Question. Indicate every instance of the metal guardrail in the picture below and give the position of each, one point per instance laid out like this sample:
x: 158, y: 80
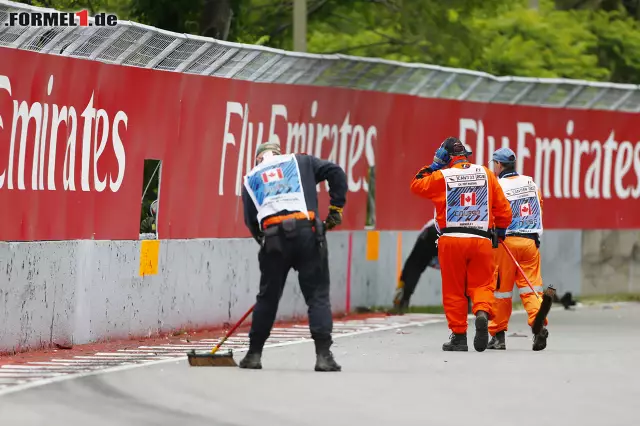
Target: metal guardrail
x: 139, y: 45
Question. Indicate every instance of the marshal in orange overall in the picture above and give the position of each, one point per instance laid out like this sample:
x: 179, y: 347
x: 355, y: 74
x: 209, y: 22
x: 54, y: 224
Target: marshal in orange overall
x: 469, y: 206
x: 523, y: 241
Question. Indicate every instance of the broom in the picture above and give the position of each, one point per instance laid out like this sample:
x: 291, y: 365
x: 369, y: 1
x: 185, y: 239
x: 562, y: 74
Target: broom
x: 547, y: 296
x: 212, y: 358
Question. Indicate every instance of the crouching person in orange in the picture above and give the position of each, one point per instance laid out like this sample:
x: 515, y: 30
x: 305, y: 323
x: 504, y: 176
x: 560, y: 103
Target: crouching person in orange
x: 469, y: 203
x: 523, y: 240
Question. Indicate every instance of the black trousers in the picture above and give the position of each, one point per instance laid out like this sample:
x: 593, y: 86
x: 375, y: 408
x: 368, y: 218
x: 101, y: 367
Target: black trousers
x: 303, y: 253
x: 424, y: 250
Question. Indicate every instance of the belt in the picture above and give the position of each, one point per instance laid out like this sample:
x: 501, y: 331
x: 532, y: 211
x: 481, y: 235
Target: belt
x: 532, y: 236
x: 455, y: 229
x: 277, y: 220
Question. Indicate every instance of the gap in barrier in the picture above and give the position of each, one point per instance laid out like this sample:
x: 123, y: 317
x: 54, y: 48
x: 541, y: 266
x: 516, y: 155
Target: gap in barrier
x: 150, y: 198
x: 371, y: 198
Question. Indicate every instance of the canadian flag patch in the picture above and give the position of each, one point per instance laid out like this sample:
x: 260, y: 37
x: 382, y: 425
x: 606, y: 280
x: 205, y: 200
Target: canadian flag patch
x: 525, y: 209
x: 468, y: 199
x: 272, y: 175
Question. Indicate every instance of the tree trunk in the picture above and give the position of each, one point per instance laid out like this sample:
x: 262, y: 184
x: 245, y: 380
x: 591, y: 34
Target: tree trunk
x: 216, y: 19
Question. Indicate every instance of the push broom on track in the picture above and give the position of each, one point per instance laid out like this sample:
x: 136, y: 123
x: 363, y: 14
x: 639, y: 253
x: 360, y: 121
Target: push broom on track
x: 213, y: 358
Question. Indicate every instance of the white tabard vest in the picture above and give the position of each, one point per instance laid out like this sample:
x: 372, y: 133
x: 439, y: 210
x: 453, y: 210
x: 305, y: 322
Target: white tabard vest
x: 275, y: 185
x: 467, y: 198
x: 522, y: 193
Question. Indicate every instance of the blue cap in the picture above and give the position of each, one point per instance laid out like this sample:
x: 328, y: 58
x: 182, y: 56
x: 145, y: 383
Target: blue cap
x: 504, y: 155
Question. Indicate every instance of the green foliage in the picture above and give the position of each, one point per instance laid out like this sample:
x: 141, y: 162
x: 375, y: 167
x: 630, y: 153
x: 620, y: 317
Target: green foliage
x: 617, y: 44
x: 119, y: 7
x: 544, y: 43
x: 179, y: 16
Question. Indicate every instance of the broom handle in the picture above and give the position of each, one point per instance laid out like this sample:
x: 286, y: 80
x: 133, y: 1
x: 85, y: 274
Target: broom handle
x: 233, y: 329
x: 519, y: 269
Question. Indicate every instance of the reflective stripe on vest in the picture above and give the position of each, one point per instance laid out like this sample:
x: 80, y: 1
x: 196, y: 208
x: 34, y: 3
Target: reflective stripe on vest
x: 522, y: 193
x: 527, y: 290
x: 503, y: 294
x: 522, y: 291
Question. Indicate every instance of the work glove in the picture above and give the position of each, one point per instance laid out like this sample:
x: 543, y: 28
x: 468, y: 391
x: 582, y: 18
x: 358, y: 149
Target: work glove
x: 440, y: 159
x: 398, y: 295
x: 259, y: 237
x: 501, y: 233
x: 334, y: 217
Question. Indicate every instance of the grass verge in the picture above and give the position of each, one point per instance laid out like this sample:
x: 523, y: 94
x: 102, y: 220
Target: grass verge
x: 586, y: 300
x: 610, y: 298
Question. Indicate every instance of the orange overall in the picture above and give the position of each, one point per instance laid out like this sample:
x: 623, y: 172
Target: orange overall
x: 522, y: 244
x: 468, y: 201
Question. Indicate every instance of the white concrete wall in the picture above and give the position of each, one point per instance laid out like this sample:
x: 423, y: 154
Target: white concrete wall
x: 83, y: 291
x: 611, y: 262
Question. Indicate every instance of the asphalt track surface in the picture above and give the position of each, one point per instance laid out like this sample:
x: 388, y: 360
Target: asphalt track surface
x: 588, y: 375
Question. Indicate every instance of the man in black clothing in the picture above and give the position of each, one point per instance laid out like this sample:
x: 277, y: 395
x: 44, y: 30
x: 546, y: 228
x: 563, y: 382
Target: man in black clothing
x: 281, y: 211
x: 423, y: 255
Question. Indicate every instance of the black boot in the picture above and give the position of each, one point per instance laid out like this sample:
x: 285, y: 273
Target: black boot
x: 457, y: 343
x: 498, y: 341
x: 324, y: 357
x: 400, y: 308
x: 540, y: 340
x: 481, y: 340
x: 252, y: 360
x: 326, y: 362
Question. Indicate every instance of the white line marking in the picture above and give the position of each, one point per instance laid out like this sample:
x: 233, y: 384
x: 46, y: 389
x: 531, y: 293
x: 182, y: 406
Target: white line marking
x: 75, y: 365
x: 46, y: 381
x: 116, y: 354
x: 96, y: 359
x: 429, y: 319
x: 53, y: 363
x: 21, y: 374
x: 83, y: 361
x: 187, y: 347
x: 31, y: 367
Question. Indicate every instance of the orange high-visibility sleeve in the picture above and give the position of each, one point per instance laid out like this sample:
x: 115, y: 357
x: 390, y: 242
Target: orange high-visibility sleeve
x: 433, y: 187
x: 500, y: 206
x: 428, y: 185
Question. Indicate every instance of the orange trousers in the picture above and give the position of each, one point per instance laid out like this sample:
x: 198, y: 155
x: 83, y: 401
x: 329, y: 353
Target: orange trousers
x: 467, y: 268
x: 506, y: 274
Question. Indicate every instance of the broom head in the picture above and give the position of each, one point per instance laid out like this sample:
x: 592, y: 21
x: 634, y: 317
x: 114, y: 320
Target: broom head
x: 207, y: 359
x: 545, y: 307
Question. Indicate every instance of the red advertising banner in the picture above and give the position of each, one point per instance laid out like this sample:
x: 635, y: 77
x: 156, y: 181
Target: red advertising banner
x: 586, y: 163
x: 74, y: 135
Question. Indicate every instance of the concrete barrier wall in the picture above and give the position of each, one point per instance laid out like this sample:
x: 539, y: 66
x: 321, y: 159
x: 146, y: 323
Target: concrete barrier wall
x: 83, y: 291
x: 611, y: 262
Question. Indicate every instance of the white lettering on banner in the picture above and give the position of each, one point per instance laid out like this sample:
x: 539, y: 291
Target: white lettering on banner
x: 37, y: 114
x: 558, y: 160
x: 350, y: 142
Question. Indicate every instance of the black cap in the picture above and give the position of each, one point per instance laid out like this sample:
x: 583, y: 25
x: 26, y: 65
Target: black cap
x: 455, y: 147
